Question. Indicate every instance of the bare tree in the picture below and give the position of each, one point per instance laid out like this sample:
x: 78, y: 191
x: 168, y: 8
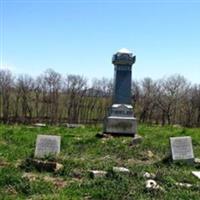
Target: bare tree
x: 99, y: 99
x: 190, y: 113
x: 6, y: 84
x: 52, y: 98
x: 52, y: 81
x: 75, y: 89
x: 24, y: 87
x: 171, y: 92
x: 147, y: 101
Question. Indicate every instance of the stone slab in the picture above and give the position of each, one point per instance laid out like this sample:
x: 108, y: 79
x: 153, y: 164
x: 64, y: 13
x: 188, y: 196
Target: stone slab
x: 120, y: 125
x: 47, y: 145
x: 181, y: 148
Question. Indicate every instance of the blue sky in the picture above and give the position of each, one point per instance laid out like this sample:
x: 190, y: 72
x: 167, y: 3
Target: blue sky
x: 80, y: 37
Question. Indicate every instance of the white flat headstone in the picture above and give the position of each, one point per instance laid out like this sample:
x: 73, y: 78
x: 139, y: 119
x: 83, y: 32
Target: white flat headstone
x: 181, y: 148
x: 47, y: 145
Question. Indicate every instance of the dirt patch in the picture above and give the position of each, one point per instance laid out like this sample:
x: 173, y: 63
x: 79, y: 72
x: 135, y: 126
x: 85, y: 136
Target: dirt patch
x: 30, y: 176
x: 3, y: 142
x: 141, y: 162
x: 3, y: 163
x: 56, y: 181
x: 10, y: 190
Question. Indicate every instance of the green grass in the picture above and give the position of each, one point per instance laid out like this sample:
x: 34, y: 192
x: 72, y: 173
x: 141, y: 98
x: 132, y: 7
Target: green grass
x: 82, y: 151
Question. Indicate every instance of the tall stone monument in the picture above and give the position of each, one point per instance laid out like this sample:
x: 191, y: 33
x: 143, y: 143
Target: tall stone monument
x: 120, y: 119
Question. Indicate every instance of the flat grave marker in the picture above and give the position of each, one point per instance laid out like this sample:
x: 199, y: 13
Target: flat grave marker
x: 181, y: 148
x: 47, y: 145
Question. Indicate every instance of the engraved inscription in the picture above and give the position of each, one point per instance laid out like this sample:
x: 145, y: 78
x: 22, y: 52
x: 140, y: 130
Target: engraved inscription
x: 181, y: 148
x: 47, y: 145
x: 122, y: 125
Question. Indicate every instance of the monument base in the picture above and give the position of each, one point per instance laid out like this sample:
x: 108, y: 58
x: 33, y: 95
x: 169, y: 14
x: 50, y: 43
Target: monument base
x: 120, y: 120
x: 116, y: 125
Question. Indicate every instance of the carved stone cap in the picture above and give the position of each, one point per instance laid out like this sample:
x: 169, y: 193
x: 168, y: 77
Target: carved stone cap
x: 123, y: 57
x: 121, y: 110
x: 124, y: 50
x: 122, y: 105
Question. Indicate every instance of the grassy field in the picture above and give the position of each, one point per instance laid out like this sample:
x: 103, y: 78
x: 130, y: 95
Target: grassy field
x: 82, y: 151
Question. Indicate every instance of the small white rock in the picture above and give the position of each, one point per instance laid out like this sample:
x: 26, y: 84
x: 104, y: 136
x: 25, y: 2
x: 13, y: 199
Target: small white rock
x: 177, y: 126
x: 98, y: 173
x: 197, y: 160
x: 187, y: 185
x: 146, y: 175
x: 152, y: 185
x: 149, y: 175
x: 150, y: 154
x: 59, y: 167
x: 39, y: 125
x: 121, y: 169
x: 196, y: 173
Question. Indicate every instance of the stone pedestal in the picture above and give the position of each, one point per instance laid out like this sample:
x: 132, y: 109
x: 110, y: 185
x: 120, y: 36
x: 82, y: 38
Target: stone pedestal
x: 120, y: 119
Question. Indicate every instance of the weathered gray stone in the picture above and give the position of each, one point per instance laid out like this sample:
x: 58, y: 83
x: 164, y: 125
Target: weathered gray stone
x: 123, y: 61
x: 121, y: 125
x: 181, y: 148
x: 47, y: 145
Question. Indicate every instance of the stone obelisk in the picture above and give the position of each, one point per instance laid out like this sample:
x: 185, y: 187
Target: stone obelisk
x: 120, y: 119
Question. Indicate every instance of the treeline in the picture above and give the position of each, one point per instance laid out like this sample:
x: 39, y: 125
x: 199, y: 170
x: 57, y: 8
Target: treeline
x: 54, y: 98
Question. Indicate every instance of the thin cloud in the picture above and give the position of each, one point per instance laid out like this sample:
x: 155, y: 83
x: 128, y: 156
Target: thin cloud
x: 7, y: 67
